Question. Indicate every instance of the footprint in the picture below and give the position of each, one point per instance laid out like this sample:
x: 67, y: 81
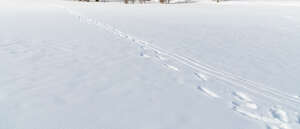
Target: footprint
x: 241, y: 96
x: 208, y: 92
x: 250, y: 114
x: 122, y: 35
x: 296, y: 118
x: 142, y: 42
x: 245, y: 101
x: 252, y: 106
x: 235, y: 104
x: 271, y: 123
x: 172, y: 67
x: 201, y: 76
x: 279, y: 114
x: 144, y: 55
x: 119, y: 33
x: 132, y: 39
x: 158, y: 55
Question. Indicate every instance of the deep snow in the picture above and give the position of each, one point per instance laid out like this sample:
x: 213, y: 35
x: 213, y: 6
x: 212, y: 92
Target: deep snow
x: 204, y: 65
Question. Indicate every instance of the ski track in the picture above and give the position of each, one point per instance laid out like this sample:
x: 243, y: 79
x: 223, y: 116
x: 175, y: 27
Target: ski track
x: 244, y: 106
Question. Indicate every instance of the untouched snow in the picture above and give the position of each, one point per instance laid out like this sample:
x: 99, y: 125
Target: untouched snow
x: 67, y: 64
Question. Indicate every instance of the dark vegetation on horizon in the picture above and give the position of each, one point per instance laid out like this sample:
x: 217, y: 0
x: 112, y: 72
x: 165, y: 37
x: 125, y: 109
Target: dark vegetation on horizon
x: 141, y: 1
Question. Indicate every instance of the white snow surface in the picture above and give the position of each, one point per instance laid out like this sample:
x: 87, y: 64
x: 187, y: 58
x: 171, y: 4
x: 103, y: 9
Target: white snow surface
x: 202, y: 65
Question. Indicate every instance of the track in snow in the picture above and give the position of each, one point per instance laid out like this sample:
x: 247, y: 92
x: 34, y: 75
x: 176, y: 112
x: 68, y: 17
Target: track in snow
x: 243, y: 104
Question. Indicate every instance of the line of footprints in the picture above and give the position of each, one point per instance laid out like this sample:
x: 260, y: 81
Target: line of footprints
x: 275, y: 118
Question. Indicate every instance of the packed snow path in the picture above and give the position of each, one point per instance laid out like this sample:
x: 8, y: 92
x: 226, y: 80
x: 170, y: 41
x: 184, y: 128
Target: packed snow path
x: 90, y: 74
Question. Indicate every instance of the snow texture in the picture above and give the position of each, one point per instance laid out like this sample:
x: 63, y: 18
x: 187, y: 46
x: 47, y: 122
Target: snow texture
x: 70, y: 64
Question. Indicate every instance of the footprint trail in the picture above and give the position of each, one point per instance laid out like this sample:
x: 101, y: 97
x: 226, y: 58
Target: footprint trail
x: 242, y: 103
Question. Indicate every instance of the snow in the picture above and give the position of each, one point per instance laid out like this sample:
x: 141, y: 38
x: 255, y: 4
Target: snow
x: 242, y: 96
x: 208, y: 92
x: 68, y: 64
